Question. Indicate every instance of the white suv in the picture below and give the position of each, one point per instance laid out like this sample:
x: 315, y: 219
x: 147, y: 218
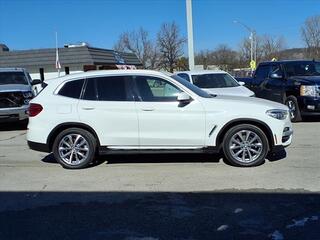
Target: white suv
x: 140, y: 111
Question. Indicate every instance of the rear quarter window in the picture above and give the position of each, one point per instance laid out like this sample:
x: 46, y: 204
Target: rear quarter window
x: 72, y: 89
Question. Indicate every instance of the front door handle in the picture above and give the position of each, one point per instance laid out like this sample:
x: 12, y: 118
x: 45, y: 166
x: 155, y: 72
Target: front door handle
x: 88, y: 108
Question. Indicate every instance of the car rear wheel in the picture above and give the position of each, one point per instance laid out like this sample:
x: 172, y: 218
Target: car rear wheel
x: 294, y: 110
x: 74, y: 148
x: 245, y: 145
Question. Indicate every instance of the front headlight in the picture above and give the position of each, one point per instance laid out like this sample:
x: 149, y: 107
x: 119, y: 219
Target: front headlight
x: 306, y: 90
x: 277, y: 113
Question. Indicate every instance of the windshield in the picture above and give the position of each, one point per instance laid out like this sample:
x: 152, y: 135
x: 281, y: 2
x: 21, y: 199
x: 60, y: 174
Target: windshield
x: 302, y: 69
x: 13, y: 78
x: 192, y: 87
x: 214, y: 80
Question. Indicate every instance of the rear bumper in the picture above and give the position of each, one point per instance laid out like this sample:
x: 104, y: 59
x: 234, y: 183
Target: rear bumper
x: 40, y: 147
x: 14, y: 114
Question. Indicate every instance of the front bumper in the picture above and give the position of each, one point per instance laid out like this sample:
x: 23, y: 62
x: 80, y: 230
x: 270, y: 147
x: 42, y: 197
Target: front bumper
x: 309, y: 106
x: 14, y: 114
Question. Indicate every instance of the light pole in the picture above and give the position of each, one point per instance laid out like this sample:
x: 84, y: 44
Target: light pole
x: 253, y: 42
x: 190, y: 34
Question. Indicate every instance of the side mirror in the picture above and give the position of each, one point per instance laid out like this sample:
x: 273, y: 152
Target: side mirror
x: 35, y: 82
x: 183, y: 97
x: 242, y: 83
x: 276, y: 76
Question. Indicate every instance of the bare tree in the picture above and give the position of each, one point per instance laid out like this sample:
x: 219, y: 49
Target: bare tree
x: 170, y: 45
x: 224, y: 57
x: 271, y: 47
x: 268, y: 47
x: 310, y: 33
x: 138, y: 42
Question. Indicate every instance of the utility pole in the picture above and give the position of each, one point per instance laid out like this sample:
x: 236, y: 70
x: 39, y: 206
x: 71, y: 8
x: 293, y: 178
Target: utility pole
x: 253, y: 44
x: 190, y: 34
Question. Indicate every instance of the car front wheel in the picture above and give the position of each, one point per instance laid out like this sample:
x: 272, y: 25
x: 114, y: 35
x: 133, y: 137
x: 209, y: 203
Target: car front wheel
x: 245, y: 145
x: 74, y: 148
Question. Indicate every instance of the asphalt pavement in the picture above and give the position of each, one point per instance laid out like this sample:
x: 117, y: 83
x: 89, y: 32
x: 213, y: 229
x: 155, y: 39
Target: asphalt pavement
x: 151, y: 197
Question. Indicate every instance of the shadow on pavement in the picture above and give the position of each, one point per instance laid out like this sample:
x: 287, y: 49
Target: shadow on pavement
x: 163, y: 158
x: 14, y: 126
x: 167, y: 215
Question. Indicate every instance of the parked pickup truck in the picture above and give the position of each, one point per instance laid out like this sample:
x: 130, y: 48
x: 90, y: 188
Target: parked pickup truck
x: 294, y: 83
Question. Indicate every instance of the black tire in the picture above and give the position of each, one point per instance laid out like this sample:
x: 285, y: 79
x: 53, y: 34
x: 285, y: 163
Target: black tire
x: 294, y: 110
x: 247, y: 148
x: 88, y: 142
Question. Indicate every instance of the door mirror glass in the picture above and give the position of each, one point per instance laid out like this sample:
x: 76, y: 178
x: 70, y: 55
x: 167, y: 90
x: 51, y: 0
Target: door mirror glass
x: 276, y: 75
x: 183, y: 97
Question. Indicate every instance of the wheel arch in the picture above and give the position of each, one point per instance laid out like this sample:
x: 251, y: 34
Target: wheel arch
x: 59, y: 128
x: 263, y: 126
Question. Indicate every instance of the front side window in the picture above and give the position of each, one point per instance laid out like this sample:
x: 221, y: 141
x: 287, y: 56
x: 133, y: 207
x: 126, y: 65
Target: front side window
x: 152, y: 89
x: 72, y: 89
x: 262, y: 72
x: 13, y: 78
x: 214, y: 80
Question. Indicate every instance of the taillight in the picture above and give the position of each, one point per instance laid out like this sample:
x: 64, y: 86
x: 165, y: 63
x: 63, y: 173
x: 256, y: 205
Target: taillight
x: 34, y: 109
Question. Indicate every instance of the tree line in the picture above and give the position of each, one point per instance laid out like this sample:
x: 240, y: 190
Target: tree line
x: 166, y: 50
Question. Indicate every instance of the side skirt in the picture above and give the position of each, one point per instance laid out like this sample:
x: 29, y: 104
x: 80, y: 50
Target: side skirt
x: 107, y: 151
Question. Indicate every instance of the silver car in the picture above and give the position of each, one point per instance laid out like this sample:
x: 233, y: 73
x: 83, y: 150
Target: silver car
x: 15, y: 93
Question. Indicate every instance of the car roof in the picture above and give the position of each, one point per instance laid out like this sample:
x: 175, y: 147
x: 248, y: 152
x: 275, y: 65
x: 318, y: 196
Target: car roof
x: 289, y: 61
x: 99, y: 73
x: 12, y: 70
x: 198, y: 72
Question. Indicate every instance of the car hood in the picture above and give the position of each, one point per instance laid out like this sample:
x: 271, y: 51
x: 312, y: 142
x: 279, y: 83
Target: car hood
x: 307, y: 79
x: 15, y: 88
x: 230, y: 91
x: 241, y: 104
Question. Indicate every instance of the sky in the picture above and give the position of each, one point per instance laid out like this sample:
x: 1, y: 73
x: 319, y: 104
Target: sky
x: 30, y: 24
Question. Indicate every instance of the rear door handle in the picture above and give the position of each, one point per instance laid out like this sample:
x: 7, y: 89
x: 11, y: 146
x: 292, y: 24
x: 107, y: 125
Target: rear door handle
x: 148, y: 109
x: 88, y: 108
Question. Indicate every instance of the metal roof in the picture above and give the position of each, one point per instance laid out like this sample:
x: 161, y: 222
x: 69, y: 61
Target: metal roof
x: 83, y: 55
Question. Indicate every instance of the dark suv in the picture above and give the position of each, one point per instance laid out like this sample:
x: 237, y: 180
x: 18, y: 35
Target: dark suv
x: 294, y: 83
x: 15, y: 94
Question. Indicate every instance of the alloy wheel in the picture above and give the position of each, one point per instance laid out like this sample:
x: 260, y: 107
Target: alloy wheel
x: 245, y: 146
x: 73, y: 149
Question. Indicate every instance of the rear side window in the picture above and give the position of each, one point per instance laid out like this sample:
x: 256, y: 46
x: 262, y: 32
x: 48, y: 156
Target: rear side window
x: 113, y: 88
x: 72, y: 89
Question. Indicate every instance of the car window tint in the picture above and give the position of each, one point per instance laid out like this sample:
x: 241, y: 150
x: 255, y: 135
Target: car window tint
x: 184, y: 76
x: 72, y: 89
x: 90, y: 92
x: 153, y: 89
x: 262, y: 71
x: 112, y: 88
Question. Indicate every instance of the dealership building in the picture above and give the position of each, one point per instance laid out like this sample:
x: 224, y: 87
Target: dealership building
x: 41, y: 63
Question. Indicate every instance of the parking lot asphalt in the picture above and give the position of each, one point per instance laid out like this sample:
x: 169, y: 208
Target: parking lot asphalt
x: 160, y: 196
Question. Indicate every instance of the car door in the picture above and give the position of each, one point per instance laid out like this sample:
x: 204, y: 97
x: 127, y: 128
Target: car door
x: 107, y: 105
x: 163, y: 121
x: 275, y: 83
x: 260, y: 77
